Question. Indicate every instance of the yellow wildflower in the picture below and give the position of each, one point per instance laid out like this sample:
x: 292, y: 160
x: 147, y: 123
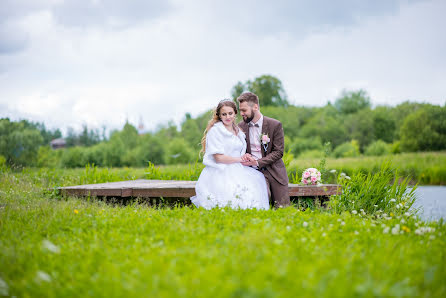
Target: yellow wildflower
x: 391, y: 214
x: 76, y: 211
x: 405, y: 229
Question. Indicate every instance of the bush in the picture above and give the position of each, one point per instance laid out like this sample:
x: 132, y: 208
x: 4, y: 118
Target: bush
x: 47, y: 157
x: 73, y: 158
x: 347, y: 149
x: 377, y: 148
x: 300, y: 145
x: 178, y: 151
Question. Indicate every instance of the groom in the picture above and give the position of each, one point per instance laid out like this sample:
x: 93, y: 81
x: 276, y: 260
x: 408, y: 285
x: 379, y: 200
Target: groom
x: 265, y: 144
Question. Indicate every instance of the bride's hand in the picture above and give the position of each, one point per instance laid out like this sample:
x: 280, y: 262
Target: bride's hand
x: 246, y: 157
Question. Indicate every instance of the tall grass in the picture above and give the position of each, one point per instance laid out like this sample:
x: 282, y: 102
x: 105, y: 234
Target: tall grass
x: 74, y: 247
x: 384, y: 191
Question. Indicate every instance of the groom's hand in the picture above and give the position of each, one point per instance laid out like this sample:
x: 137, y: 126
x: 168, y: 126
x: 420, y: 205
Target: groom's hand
x: 246, y: 157
x: 250, y: 160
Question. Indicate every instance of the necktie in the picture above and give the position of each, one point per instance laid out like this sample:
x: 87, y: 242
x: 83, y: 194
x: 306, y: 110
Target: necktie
x: 251, y: 125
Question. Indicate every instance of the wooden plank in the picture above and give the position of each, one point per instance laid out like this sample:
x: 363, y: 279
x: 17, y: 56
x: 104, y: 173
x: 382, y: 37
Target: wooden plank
x: 180, y: 189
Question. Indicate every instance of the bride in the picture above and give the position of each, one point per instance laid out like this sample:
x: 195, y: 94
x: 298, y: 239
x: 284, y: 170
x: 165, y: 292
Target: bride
x: 225, y: 181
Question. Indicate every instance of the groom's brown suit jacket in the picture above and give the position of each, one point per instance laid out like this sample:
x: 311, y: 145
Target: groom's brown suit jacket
x: 271, y: 160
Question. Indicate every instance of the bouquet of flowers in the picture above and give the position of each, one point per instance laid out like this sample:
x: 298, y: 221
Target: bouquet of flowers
x: 311, y: 176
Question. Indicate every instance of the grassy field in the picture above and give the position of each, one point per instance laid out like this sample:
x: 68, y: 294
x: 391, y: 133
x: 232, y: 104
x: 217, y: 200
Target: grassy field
x: 425, y: 168
x: 68, y: 247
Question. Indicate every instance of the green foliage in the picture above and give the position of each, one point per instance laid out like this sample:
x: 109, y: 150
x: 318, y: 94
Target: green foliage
x: 424, y: 130
x: 352, y: 101
x: 268, y: 88
x: 301, y: 145
x: 328, y: 127
x: 19, y: 142
x: 359, y: 127
x: 46, y: 157
x: 377, y: 148
x: 348, y: 149
x: 384, y: 127
x: 384, y: 191
x: 178, y: 152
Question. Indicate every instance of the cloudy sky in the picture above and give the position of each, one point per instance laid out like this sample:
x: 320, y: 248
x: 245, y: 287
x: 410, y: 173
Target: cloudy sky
x: 98, y: 62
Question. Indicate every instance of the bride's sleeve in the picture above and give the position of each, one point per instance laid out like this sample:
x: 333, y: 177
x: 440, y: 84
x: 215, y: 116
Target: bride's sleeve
x: 214, y: 145
x: 214, y: 142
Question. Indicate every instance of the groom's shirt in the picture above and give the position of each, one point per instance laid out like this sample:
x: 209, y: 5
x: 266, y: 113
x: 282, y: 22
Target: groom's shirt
x: 255, y: 129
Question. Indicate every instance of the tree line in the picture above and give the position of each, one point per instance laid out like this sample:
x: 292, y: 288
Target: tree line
x: 350, y: 125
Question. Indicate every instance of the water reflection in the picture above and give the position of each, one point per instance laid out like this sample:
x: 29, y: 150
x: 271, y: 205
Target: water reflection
x: 432, y: 200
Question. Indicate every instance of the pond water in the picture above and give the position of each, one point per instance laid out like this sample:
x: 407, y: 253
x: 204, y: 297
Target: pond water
x: 432, y: 200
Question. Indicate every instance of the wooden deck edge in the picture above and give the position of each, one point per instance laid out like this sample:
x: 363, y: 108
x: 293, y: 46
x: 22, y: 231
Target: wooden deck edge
x: 295, y: 190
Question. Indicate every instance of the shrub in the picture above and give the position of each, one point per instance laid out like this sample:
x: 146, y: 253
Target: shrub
x: 347, y: 149
x: 377, y: 148
x: 300, y: 145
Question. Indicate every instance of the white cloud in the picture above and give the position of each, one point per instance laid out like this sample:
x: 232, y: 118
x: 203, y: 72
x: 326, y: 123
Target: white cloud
x: 187, y: 58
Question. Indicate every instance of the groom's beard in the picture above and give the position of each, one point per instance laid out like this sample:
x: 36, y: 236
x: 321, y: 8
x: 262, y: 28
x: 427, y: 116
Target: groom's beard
x: 249, y: 119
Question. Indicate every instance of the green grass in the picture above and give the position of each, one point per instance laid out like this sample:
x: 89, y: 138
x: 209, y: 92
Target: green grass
x: 424, y: 168
x: 68, y: 247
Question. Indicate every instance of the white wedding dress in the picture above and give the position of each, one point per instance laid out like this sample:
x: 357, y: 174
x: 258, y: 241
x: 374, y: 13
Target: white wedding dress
x: 234, y: 185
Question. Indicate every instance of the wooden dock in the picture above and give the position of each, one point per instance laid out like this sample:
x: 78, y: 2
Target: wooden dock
x: 144, y: 188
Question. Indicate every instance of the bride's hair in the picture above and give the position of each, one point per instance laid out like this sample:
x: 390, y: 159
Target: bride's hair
x: 216, y: 118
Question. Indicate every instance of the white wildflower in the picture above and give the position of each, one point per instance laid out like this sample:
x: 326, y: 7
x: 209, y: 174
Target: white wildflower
x: 305, y: 224
x: 396, y: 229
x: 288, y: 228
x: 48, y: 245
x: 342, y: 174
x: 386, y: 230
x: 432, y: 237
x: 376, y: 206
x: 392, y: 200
x: 343, y: 223
x: 347, y: 177
x: 356, y: 233
x: 333, y: 171
x: 402, y: 221
x: 354, y: 212
x: 323, y: 234
x: 407, y: 214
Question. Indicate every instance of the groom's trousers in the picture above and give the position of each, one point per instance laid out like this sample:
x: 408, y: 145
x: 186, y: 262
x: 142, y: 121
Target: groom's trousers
x: 277, y: 192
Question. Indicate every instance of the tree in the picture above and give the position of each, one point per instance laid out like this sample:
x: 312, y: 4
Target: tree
x: 359, y: 126
x: 352, y: 101
x: 383, y: 124
x: 424, y: 130
x: 268, y: 88
x: 19, y: 142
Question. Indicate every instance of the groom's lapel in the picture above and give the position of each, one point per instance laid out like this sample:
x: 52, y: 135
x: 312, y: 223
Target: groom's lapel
x: 248, y: 143
x: 264, y: 131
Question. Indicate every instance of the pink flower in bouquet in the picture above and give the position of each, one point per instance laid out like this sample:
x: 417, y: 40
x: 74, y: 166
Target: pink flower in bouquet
x: 311, y: 176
